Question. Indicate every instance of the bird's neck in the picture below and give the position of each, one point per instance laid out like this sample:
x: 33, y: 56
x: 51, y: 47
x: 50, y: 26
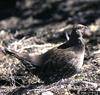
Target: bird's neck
x: 78, y: 44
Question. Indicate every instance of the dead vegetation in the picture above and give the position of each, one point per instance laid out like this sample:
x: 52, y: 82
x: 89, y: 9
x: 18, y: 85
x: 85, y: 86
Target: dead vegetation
x: 14, y: 75
x: 30, y: 32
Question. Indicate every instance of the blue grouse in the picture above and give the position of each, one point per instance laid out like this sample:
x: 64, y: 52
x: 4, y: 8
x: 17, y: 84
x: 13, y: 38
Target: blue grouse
x: 59, y: 62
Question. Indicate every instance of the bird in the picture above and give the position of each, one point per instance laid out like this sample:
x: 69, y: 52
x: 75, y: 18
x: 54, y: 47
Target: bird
x: 59, y: 62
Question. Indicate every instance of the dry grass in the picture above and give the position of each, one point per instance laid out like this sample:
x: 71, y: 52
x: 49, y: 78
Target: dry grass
x: 11, y: 68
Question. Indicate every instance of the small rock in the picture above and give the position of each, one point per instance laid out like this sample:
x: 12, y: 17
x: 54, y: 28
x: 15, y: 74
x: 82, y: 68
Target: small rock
x: 47, y: 93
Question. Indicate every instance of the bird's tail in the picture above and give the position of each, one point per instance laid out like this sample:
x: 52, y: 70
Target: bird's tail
x: 25, y: 59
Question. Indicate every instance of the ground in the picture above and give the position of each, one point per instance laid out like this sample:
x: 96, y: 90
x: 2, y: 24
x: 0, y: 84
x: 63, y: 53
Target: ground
x: 31, y: 33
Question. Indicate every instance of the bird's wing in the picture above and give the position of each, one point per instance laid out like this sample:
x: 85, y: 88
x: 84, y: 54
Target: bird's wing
x: 56, y: 59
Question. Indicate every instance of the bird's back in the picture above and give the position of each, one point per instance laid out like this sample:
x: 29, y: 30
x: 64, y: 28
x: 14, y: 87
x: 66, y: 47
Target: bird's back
x: 61, y: 62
